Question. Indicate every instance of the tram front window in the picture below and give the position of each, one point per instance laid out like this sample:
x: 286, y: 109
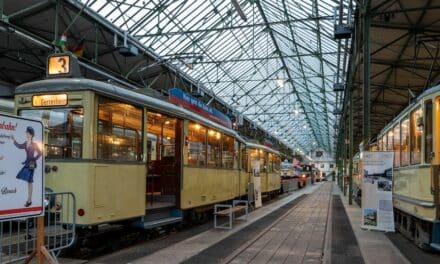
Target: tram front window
x: 65, y: 127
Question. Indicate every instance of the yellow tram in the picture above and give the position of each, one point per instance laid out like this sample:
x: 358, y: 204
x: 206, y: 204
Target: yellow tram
x: 414, y: 136
x: 136, y: 158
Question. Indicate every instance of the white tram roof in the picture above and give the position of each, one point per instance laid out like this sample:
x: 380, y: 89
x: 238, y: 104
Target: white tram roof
x: 412, y: 105
x: 115, y: 91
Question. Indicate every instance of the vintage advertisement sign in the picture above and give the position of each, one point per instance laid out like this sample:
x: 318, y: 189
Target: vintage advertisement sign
x: 180, y: 97
x: 21, y: 167
x: 377, y: 200
x: 257, y: 183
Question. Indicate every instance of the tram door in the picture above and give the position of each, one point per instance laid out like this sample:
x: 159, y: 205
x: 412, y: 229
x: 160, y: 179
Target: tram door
x: 163, y: 160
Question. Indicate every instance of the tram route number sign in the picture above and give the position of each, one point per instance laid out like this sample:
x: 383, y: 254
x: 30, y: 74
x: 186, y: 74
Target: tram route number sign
x: 21, y: 168
x: 62, y: 65
x: 58, y: 65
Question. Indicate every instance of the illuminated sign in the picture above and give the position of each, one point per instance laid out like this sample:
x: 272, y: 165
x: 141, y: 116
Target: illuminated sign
x: 49, y: 100
x: 58, y: 64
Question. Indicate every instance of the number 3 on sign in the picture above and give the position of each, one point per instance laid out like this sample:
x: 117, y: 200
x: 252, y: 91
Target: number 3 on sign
x: 59, y: 65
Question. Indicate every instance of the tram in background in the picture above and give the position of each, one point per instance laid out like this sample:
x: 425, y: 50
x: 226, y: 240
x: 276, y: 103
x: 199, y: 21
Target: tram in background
x: 136, y: 159
x: 414, y: 136
x: 6, y: 106
x: 289, y: 177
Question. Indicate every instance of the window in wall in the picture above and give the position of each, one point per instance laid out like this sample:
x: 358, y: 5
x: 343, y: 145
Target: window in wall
x: 427, y: 127
x: 390, y: 140
x: 396, y: 145
x: 119, y: 131
x: 416, y: 136
x: 161, y: 137
x: 214, y: 148
x: 65, y: 127
x: 404, y: 145
x: 228, y: 153
x: 196, y: 145
x: 331, y: 166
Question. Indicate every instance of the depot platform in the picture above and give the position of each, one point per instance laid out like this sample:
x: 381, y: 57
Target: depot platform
x: 312, y: 225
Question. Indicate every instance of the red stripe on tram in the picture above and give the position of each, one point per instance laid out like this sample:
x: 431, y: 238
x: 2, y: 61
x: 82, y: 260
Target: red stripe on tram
x: 21, y: 210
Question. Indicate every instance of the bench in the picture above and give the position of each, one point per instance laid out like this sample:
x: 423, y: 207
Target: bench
x: 227, y: 210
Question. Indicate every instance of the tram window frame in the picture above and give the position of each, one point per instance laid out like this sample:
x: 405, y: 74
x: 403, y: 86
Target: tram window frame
x: 380, y: 140
x: 404, y: 149
x: 200, y: 154
x: 428, y: 130
x: 213, y: 149
x: 396, y: 145
x: 384, y: 142
x: 107, y: 130
x: 390, y: 136
x: 228, y: 153
x: 161, y: 131
x: 415, y: 137
x: 69, y: 146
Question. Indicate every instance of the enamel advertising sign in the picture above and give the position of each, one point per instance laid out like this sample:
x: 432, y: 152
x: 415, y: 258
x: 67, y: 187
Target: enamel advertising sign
x: 21, y: 168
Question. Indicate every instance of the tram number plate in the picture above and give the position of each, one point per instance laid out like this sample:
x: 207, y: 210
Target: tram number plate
x: 59, y: 65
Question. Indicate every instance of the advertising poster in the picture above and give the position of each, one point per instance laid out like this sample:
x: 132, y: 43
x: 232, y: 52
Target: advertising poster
x: 257, y: 183
x: 21, y: 167
x: 377, y: 200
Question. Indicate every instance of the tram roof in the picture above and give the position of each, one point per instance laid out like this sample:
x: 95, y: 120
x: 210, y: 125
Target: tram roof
x: 273, y: 61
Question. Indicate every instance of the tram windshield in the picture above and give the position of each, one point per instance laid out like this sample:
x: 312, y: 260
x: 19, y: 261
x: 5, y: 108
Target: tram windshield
x: 65, y: 127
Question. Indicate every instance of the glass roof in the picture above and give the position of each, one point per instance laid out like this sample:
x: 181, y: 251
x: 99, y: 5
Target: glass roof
x: 273, y: 61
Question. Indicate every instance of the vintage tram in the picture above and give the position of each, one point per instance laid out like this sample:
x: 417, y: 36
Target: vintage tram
x: 132, y: 157
x: 414, y: 137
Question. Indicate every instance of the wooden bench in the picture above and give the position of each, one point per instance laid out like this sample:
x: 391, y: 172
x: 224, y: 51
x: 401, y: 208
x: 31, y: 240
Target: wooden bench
x: 227, y: 210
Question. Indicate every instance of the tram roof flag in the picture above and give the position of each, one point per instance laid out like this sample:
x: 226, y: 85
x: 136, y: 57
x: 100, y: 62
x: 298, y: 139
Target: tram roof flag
x: 63, y: 42
x: 178, y: 96
x: 79, y: 48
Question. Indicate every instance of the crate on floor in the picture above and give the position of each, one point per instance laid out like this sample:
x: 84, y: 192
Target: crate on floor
x: 228, y: 210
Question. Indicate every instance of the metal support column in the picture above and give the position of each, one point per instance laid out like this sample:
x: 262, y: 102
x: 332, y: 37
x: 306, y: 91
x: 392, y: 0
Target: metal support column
x: 366, y: 74
x: 57, y: 23
x: 350, y: 144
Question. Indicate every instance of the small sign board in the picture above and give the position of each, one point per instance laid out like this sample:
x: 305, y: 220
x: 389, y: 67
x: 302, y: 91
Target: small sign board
x: 21, y: 168
x: 62, y: 65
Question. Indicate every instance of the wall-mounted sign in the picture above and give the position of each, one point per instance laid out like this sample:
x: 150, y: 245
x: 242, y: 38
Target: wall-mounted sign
x: 49, y: 100
x: 21, y: 168
x: 180, y: 97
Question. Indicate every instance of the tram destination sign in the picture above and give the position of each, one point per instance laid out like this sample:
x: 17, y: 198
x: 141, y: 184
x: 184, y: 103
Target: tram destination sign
x: 180, y: 97
x: 21, y: 168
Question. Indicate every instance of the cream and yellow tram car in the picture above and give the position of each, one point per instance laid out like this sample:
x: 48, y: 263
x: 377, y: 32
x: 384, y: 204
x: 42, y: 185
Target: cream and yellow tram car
x: 129, y: 156
x: 414, y: 136
x: 268, y: 162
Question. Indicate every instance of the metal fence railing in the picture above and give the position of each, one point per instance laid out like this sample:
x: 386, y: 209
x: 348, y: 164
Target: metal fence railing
x: 18, y: 238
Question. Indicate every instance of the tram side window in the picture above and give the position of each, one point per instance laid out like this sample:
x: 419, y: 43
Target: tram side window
x: 270, y: 162
x: 390, y: 140
x: 263, y: 161
x: 65, y: 127
x: 119, y: 131
x: 396, y: 140
x: 161, y: 137
x: 255, y: 160
x: 245, y: 160
x: 416, y: 137
x: 384, y: 142
x: 404, y: 146
x: 228, y: 152
x: 380, y: 144
x: 214, y: 148
x: 428, y: 131
x: 196, y: 145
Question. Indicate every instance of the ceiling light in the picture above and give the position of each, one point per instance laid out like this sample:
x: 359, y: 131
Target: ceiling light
x: 280, y: 82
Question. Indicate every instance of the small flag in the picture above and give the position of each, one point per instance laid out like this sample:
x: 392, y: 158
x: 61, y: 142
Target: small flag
x: 63, y: 42
x: 79, y: 48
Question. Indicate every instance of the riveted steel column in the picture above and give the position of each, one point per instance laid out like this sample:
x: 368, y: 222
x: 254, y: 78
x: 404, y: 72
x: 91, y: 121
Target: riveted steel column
x: 366, y: 74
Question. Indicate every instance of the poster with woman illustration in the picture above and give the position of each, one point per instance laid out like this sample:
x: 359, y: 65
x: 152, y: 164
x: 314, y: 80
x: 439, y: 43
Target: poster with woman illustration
x: 21, y: 167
